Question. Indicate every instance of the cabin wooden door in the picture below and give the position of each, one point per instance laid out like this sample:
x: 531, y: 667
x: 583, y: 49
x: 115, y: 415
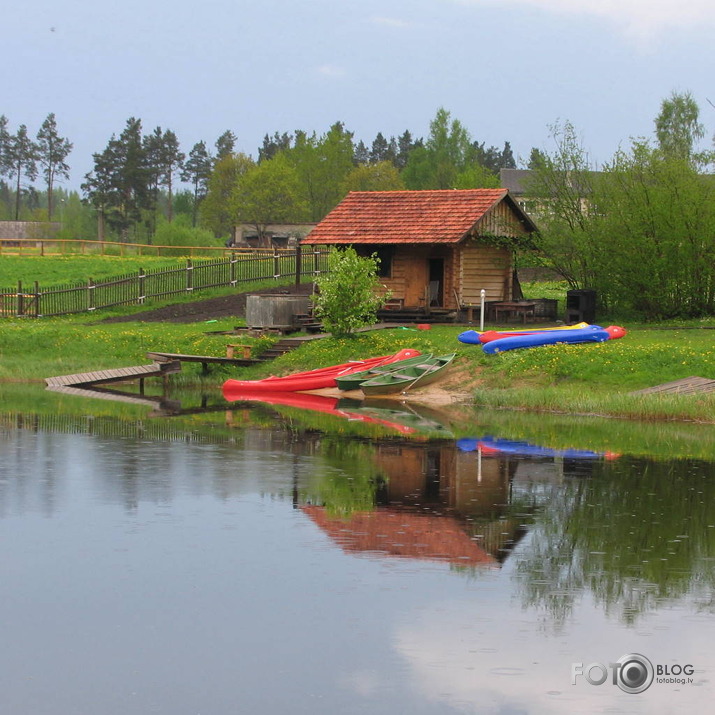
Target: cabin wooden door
x: 436, y: 282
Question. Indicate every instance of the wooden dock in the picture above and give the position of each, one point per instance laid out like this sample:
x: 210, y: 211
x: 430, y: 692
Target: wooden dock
x: 686, y: 386
x: 205, y: 360
x: 120, y: 374
x: 166, y: 363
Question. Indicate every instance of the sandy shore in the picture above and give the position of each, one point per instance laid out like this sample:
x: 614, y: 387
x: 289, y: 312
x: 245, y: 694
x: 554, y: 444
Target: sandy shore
x: 454, y: 388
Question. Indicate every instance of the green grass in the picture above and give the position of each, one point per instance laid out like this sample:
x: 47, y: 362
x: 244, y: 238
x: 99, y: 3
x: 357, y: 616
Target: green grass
x: 56, y: 270
x: 579, y: 379
x: 32, y: 350
x: 584, y: 379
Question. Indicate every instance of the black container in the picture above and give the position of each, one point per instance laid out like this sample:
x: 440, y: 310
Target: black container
x: 580, y: 306
x: 546, y: 308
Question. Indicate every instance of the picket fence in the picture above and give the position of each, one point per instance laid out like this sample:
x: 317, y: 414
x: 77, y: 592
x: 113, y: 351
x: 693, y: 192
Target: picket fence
x: 136, y: 288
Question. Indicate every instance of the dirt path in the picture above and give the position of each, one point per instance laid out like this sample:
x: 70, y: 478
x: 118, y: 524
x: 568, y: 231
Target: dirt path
x: 228, y: 306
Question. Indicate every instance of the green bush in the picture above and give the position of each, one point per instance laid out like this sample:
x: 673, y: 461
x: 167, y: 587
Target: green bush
x: 181, y: 233
x: 350, y: 294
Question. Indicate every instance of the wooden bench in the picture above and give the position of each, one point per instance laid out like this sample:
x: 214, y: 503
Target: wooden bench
x: 245, y: 350
x: 394, y: 304
x: 471, y: 308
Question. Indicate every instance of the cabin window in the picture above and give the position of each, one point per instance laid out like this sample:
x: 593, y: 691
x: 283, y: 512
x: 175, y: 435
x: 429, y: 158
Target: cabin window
x: 384, y: 253
x: 384, y: 268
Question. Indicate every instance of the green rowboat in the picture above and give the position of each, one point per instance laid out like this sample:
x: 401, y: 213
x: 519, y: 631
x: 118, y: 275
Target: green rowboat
x: 400, y: 380
x: 354, y: 380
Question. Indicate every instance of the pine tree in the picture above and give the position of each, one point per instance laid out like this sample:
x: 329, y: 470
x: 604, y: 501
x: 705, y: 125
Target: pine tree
x: 506, y: 160
x: 405, y: 145
x: 197, y: 170
x: 120, y: 185
x: 225, y: 145
x: 273, y: 145
x: 5, y: 165
x: 52, y: 150
x: 362, y: 154
x: 537, y: 159
x: 22, y: 158
x: 378, y: 152
x: 165, y: 159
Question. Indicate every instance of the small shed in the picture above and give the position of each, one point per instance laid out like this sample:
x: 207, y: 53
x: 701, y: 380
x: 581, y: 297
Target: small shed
x: 437, y: 249
x: 275, y: 235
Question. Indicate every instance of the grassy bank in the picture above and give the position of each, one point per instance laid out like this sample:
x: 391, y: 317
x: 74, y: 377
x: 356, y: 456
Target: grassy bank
x: 583, y: 379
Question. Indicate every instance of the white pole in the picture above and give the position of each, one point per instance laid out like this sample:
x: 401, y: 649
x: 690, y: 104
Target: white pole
x: 481, y: 312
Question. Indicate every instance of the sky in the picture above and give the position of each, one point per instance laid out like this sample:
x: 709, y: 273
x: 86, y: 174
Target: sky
x: 506, y: 69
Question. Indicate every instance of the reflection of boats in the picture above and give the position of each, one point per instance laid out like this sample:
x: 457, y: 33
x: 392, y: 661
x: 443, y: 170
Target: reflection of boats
x: 394, y: 532
x: 492, y: 445
x: 423, y: 373
x: 409, y: 416
x: 315, y: 379
x: 354, y: 380
x: 315, y: 403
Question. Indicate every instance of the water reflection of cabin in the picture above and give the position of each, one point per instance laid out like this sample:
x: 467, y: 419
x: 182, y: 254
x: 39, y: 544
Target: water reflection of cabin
x: 436, y: 503
x: 437, y: 249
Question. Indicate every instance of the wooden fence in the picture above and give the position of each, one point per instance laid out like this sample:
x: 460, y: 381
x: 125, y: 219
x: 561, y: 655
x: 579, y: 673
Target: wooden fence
x: 136, y: 288
x: 72, y: 246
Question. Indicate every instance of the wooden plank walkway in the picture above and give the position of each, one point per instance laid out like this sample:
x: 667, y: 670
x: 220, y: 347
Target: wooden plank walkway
x: 120, y: 374
x: 205, y: 360
x: 685, y: 386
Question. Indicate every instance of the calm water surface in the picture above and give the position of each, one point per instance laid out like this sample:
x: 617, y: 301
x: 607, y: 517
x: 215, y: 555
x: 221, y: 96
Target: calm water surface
x: 270, y: 569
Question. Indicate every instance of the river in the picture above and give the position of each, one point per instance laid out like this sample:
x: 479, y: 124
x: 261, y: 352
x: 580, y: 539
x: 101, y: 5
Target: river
x: 205, y: 557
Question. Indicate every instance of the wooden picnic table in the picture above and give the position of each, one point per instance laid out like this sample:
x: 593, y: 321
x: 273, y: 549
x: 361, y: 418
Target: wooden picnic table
x: 513, y: 308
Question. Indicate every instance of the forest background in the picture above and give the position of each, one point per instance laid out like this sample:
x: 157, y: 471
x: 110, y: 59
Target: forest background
x: 639, y: 229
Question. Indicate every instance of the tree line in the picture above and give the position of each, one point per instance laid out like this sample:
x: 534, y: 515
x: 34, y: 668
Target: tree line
x: 640, y: 229
x: 22, y: 158
x: 137, y: 188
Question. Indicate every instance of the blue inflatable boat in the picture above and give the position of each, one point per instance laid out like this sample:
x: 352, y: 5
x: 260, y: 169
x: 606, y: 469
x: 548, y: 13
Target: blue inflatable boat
x: 592, y: 334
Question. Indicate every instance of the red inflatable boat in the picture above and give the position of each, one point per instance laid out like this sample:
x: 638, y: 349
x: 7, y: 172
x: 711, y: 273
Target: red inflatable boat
x: 314, y: 379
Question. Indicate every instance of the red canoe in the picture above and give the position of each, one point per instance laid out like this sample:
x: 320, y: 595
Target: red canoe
x: 314, y: 379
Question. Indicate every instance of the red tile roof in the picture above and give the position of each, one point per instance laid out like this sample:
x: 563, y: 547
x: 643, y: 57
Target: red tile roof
x: 405, y: 216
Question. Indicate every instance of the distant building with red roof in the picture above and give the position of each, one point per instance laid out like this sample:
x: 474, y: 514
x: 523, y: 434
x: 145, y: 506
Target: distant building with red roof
x: 438, y: 249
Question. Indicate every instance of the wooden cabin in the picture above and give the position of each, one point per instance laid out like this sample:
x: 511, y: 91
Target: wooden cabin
x: 437, y: 249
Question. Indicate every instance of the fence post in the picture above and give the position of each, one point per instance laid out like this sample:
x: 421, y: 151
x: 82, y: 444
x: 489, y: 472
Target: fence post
x: 189, y: 275
x: 298, y: 264
x: 142, y: 276
x: 19, y: 307
x: 37, y: 300
x: 90, y: 294
x: 232, y: 260
x: 276, y: 269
